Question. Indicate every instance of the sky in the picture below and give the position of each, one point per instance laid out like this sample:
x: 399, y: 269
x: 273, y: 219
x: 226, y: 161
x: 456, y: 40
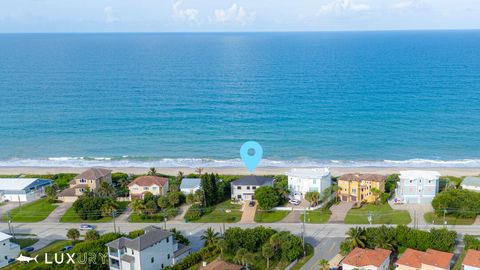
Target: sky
x: 236, y: 15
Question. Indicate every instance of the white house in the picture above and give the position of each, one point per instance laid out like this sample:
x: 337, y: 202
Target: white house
x: 471, y: 261
x: 190, y: 185
x: 22, y: 189
x: 156, y: 249
x: 8, y: 250
x: 244, y: 188
x: 367, y: 259
x: 417, y: 186
x: 471, y: 183
x: 301, y: 181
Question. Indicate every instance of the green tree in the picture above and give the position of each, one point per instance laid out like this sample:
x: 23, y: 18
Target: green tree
x: 163, y: 202
x: 108, y: 207
x: 73, y: 234
x: 267, y: 197
x: 324, y: 265
x: 356, y: 237
x: 267, y: 253
x: 152, y: 171
x: 209, y: 236
x: 376, y: 193
x: 312, y: 197
x: 190, y: 198
x: 177, y: 235
x: 209, y: 186
x: 51, y: 192
x: 198, y: 195
x: 92, y: 235
x: 151, y: 207
x: 222, y: 246
x: 137, y: 205
x: 179, y: 176
x: 173, y: 198
x: 106, y: 190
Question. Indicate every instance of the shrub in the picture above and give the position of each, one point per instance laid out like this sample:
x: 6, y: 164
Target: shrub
x: 195, y: 212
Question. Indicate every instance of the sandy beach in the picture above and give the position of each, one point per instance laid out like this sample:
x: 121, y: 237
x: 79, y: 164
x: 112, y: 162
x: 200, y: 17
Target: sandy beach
x: 234, y: 171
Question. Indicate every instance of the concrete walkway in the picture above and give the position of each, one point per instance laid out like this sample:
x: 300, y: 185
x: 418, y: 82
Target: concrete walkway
x: 416, y: 211
x: 293, y: 217
x: 339, y: 212
x: 124, y: 216
x: 248, y: 215
x: 183, y: 210
x: 58, y: 212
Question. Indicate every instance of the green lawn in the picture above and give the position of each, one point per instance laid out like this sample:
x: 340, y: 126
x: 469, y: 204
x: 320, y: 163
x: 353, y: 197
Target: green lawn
x: 24, y: 242
x: 433, y: 218
x: 71, y: 217
x: 270, y: 216
x: 223, y: 212
x: 317, y: 216
x: 53, y: 247
x: 458, y: 263
x: 381, y: 214
x: 31, y: 212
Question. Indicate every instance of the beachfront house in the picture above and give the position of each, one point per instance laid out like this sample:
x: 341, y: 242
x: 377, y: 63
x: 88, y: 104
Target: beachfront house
x: 22, y: 189
x: 413, y: 259
x: 417, y: 187
x: 471, y: 183
x: 219, y: 265
x: 8, y: 250
x: 301, y: 181
x: 155, y: 249
x: 471, y: 261
x: 148, y: 183
x: 90, y: 179
x: 244, y: 188
x: 190, y: 185
x: 367, y: 259
x: 354, y: 187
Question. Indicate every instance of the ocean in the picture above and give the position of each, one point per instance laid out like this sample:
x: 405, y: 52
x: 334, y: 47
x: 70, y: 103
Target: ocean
x: 404, y: 98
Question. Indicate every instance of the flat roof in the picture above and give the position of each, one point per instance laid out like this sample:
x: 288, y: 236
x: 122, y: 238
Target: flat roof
x: 419, y: 174
x: 17, y: 183
x: 190, y: 183
x: 471, y: 181
x: 309, y: 172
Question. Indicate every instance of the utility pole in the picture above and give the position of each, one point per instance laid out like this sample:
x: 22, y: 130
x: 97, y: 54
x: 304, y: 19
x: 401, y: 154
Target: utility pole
x: 303, y: 231
x: 114, y: 212
x: 444, y: 221
x: 164, y: 220
x: 10, y: 227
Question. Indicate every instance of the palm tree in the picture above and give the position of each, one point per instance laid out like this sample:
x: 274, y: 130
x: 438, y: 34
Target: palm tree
x: 199, y: 170
x: 312, y: 197
x: 137, y: 205
x: 179, y: 176
x: 267, y: 253
x: 240, y: 256
x: 105, y: 190
x: 108, y: 207
x: 223, y: 246
x: 376, y: 193
x: 209, y: 236
x: 73, y: 234
x: 324, y: 265
x: 356, y: 237
x: 152, y: 171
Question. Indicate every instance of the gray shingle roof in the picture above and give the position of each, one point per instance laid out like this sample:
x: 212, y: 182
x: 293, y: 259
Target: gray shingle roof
x: 190, y: 183
x: 93, y: 174
x: 253, y: 180
x: 471, y: 181
x: 151, y: 236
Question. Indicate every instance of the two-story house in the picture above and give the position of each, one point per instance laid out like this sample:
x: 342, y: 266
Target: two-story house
x: 417, y: 186
x: 354, y: 187
x: 301, y: 181
x: 155, y: 249
x: 471, y: 261
x: 90, y: 179
x: 8, y: 250
x: 22, y: 189
x: 244, y: 188
x: 367, y: 259
x: 431, y: 259
x: 148, y: 183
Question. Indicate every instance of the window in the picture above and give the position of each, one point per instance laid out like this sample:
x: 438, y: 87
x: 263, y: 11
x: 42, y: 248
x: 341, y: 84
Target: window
x: 152, y: 260
x: 132, y: 251
x: 354, y: 190
x: 154, y: 188
x: 168, y: 256
x: 145, y: 188
x: 162, y: 265
x: 254, y: 187
x: 83, y: 181
x: 248, y: 187
x: 168, y: 238
x: 239, y: 196
x: 314, y: 181
x: 239, y: 187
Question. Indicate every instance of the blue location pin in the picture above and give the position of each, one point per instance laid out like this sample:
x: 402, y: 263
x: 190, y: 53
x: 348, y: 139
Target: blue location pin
x: 251, y: 153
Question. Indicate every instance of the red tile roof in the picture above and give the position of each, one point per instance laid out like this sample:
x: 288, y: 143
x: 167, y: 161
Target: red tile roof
x: 363, y: 257
x: 149, y: 180
x: 472, y: 258
x: 415, y: 258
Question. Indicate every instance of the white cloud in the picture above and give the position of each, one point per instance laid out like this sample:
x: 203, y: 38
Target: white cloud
x: 343, y: 6
x: 235, y: 13
x: 408, y: 4
x: 185, y: 14
x: 110, y: 16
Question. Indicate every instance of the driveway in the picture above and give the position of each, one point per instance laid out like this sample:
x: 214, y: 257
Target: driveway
x: 416, y: 211
x: 326, y: 248
x: 56, y: 214
x: 339, y: 212
x: 7, y: 207
x: 248, y: 215
x: 293, y: 217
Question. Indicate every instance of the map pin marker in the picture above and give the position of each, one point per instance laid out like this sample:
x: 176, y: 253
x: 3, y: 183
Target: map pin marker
x: 251, y: 153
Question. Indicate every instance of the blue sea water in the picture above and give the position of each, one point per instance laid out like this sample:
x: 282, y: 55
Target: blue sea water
x: 341, y: 98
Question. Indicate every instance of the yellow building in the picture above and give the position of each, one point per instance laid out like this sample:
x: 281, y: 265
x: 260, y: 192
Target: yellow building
x: 358, y: 187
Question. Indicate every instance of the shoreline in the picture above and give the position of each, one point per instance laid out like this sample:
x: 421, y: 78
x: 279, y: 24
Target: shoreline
x: 336, y: 171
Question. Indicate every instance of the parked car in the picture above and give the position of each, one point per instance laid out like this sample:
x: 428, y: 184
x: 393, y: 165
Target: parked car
x: 251, y: 203
x: 28, y: 249
x: 11, y: 260
x: 66, y: 248
x: 86, y: 227
x: 294, y: 201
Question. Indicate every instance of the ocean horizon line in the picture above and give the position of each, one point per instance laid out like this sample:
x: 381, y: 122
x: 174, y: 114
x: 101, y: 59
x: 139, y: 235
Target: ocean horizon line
x: 127, y: 161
